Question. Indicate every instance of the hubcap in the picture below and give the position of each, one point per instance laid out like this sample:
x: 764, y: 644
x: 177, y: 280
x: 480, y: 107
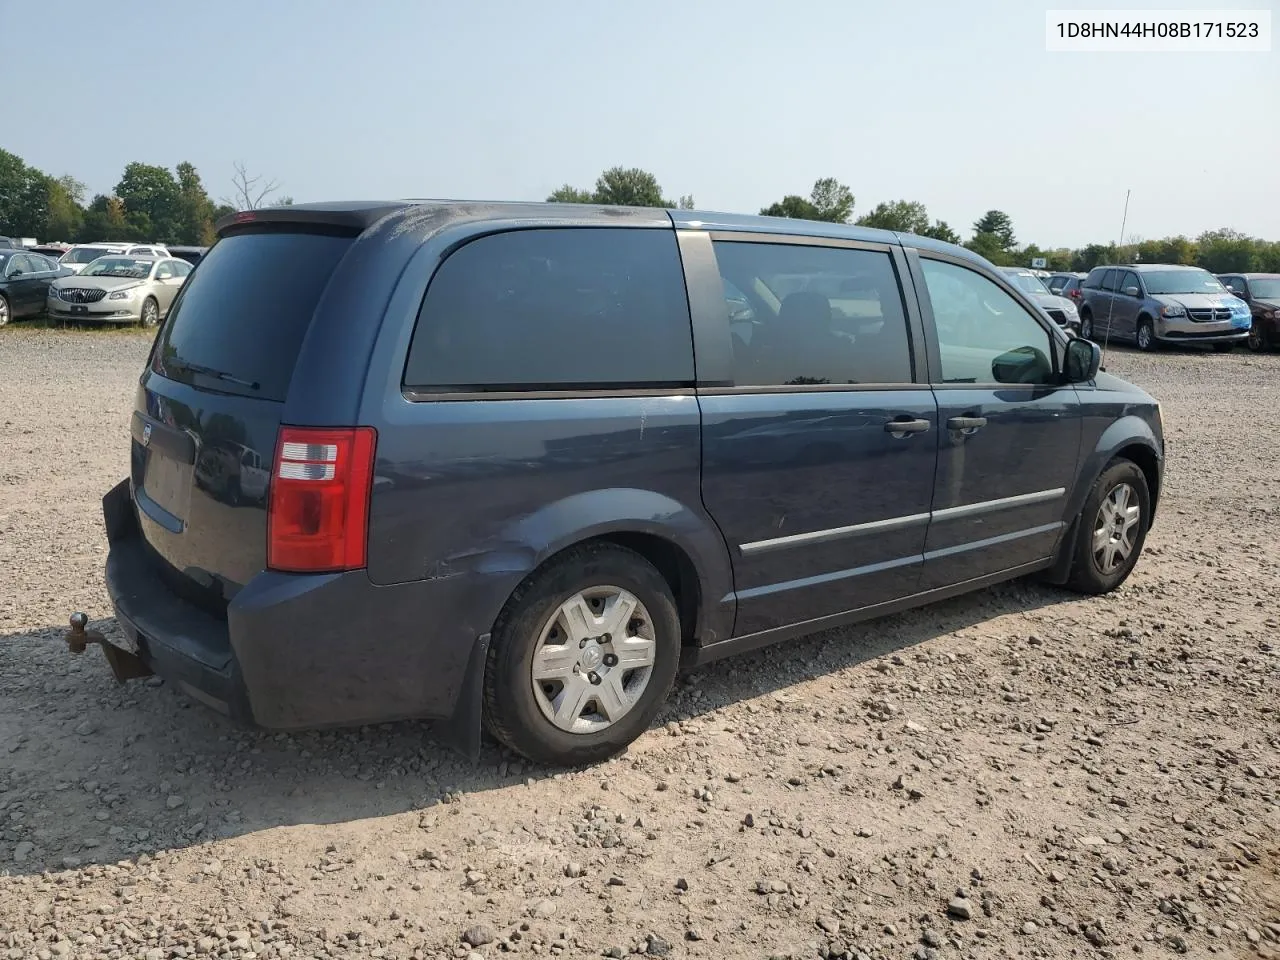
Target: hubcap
x: 1144, y: 337
x: 149, y: 314
x: 1116, y: 529
x: 1255, y: 338
x: 4, y: 313
x: 593, y: 659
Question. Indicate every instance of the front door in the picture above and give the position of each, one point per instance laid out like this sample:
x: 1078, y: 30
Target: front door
x: 1010, y: 431
x: 818, y: 457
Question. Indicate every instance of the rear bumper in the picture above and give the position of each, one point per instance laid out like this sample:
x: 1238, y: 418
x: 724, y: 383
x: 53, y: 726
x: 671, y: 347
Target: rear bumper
x: 298, y: 652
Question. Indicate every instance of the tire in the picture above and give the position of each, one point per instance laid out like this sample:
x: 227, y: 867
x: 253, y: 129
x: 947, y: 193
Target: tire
x: 6, y: 312
x: 1257, y: 341
x: 1086, y: 326
x: 1095, y: 567
x: 520, y: 715
x: 150, y: 314
x: 1223, y: 347
x: 1145, y: 336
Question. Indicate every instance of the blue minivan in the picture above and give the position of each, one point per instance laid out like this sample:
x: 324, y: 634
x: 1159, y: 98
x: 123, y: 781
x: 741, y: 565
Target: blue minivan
x: 511, y: 466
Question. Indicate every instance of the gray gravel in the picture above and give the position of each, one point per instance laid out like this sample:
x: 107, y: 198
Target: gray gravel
x: 1077, y: 777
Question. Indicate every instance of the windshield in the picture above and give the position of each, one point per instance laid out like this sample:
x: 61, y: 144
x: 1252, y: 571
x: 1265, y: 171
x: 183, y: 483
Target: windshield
x: 125, y: 267
x: 83, y: 255
x: 1029, y: 282
x: 1182, y: 281
x: 1265, y: 289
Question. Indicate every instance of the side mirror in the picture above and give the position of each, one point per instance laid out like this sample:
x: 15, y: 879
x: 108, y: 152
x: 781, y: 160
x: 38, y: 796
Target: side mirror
x: 1131, y: 291
x: 1083, y: 359
x: 1232, y: 289
x: 1021, y: 365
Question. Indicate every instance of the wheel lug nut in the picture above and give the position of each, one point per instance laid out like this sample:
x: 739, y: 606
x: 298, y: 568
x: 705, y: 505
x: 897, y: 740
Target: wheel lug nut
x: 610, y: 660
x: 581, y: 644
x: 594, y: 678
x: 607, y: 638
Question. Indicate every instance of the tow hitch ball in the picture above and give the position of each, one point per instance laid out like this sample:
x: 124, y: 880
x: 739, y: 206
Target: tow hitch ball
x: 78, y: 638
x: 125, y: 665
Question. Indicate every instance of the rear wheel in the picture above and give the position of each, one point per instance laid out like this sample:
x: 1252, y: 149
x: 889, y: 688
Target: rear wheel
x: 582, y: 657
x: 1112, y: 529
x: 5, y: 312
x: 1146, y: 336
x: 150, y: 312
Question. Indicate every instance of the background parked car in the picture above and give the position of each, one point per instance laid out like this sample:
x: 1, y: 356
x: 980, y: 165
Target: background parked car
x: 25, y: 279
x: 120, y: 289
x: 1057, y: 282
x: 1154, y: 303
x: 1062, y: 311
x: 83, y: 254
x: 1261, y: 291
x: 7, y: 243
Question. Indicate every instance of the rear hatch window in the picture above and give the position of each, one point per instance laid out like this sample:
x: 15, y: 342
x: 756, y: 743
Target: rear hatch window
x: 206, y: 425
x: 238, y: 325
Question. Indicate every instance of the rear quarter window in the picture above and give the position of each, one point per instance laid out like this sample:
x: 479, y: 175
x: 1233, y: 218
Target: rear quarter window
x: 241, y: 317
x: 555, y: 309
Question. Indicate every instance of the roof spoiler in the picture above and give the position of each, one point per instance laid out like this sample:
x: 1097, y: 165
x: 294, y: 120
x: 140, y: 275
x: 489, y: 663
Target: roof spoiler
x: 354, y: 217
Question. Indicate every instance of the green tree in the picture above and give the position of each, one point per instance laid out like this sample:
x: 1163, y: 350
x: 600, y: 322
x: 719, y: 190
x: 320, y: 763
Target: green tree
x: 830, y: 200
x: 151, y: 197
x: 194, y: 225
x: 999, y: 225
x: 619, y: 187
x: 686, y: 202
x: 24, y: 198
x: 105, y: 220
x: 1226, y: 250
x: 833, y: 199
x: 941, y: 230
x: 793, y: 206
x: 629, y: 187
x: 65, y: 211
x: 988, y: 245
x: 901, y: 216
x: 571, y: 194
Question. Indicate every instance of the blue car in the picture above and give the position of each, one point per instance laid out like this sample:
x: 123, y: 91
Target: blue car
x: 511, y: 466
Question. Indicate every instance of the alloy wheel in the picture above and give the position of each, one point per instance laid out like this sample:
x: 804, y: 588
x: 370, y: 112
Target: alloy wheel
x: 593, y: 659
x: 1116, y: 529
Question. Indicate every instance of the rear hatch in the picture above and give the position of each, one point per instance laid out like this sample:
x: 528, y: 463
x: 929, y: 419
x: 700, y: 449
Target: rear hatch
x: 209, y: 406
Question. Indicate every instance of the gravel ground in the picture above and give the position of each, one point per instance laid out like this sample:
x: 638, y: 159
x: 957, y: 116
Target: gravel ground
x: 1020, y: 772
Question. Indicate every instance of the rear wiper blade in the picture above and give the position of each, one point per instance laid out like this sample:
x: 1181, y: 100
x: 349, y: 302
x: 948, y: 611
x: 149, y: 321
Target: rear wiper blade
x: 188, y: 367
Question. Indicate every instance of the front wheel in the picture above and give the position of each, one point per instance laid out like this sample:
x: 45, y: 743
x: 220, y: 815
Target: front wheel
x: 1146, y: 336
x: 5, y: 312
x: 150, y: 312
x: 582, y: 657
x: 1257, y: 341
x: 1086, y: 326
x: 1112, y: 529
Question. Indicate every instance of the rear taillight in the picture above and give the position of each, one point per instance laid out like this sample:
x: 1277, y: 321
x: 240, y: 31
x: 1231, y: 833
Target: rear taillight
x: 318, y: 515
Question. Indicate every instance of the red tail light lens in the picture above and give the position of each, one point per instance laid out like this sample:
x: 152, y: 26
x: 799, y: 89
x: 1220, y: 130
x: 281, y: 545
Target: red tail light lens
x: 318, y: 516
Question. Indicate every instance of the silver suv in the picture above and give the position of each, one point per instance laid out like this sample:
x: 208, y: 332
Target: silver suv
x: 1155, y: 303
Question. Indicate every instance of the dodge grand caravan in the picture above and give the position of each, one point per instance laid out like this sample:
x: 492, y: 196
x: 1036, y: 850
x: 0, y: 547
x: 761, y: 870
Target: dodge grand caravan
x: 525, y: 461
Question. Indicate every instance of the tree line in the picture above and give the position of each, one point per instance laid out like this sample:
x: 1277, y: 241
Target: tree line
x: 149, y: 203
x: 172, y: 206
x: 991, y: 236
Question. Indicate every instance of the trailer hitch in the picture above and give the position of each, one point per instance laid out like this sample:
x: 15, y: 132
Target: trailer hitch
x: 125, y: 665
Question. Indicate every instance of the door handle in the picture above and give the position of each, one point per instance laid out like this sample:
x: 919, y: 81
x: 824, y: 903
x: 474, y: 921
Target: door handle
x: 967, y: 424
x: 906, y: 426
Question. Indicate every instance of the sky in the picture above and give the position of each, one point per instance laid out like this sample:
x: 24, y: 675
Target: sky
x: 954, y: 103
